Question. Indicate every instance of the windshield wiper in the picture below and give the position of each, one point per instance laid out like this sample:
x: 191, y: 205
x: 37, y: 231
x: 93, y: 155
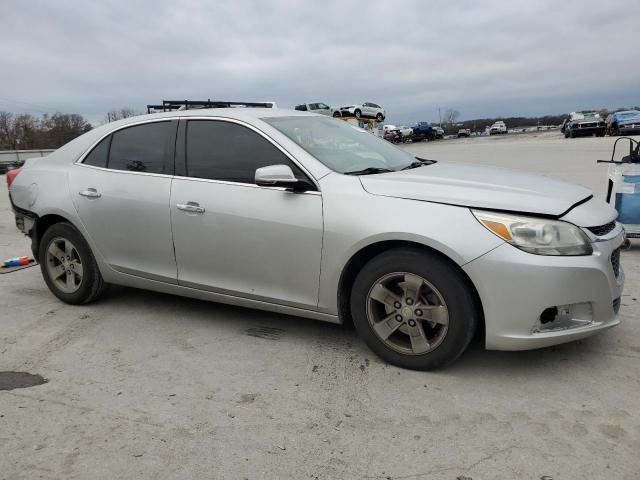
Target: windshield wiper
x: 369, y: 171
x: 419, y: 162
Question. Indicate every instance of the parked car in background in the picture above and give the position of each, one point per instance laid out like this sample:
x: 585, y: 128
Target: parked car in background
x: 392, y: 136
x: 623, y: 123
x: 7, y: 166
x: 438, y: 133
x: 498, y: 128
x: 247, y: 207
x: 464, y: 132
x: 406, y: 132
x: 584, y: 123
x: 423, y: 131
x: 318, y: 107
x: 364, y: 110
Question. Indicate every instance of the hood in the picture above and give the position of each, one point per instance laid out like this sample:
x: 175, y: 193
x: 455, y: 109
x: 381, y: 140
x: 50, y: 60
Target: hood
x: 479, y: 186
x: 587, y: 120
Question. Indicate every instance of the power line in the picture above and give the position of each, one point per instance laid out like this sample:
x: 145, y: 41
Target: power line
x: 18, y: 102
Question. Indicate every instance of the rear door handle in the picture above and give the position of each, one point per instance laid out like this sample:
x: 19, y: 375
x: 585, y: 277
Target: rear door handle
x: 90, y: 193
x: 191, y: 207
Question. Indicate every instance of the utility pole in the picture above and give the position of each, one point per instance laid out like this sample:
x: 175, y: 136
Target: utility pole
x: 439, y: 118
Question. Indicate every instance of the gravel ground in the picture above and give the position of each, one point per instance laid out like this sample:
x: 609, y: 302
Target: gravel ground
x: 143, y: 385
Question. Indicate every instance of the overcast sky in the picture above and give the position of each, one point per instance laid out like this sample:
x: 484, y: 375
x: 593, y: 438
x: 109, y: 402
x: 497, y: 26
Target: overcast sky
x: 486, y: 58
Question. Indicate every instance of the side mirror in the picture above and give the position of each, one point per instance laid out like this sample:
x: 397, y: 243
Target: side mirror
x: 280, y: 176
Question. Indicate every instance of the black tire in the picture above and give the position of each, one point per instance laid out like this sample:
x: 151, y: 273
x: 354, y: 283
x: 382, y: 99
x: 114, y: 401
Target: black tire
x: 336, y: 115
x: 463, y: 317
x: 91, y: 286
x: 571, y: 134
x: 379, y: 117
x: 357, y: 113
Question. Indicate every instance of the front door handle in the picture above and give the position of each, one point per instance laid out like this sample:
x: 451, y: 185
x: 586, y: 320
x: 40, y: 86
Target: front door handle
x: 90, y: 193
x: 191, y: 207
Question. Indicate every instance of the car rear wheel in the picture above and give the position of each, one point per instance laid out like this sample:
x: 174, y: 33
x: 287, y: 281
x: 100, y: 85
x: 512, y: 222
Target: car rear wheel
x: 357, y: 113
x: 379, y: 117
x: 413, y: 309
x: 68, y: 266
x: 336, y: 114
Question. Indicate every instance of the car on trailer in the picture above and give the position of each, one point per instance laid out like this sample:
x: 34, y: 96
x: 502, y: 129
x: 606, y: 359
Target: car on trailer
x: 318, y: 107
x: 364, y: 110
x: 424, y: 131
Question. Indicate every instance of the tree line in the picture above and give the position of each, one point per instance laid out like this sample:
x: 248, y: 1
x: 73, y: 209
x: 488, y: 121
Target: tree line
x: 24, y: 131
x: 27, y: 132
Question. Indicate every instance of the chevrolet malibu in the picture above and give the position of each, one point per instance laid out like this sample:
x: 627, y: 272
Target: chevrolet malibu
x: 309, y: 216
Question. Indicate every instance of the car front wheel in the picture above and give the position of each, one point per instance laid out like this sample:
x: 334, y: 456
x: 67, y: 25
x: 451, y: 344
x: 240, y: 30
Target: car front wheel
x: 357, y: 113
x: 413, y: 309
x: 68, y: 266
x: 379, y: 117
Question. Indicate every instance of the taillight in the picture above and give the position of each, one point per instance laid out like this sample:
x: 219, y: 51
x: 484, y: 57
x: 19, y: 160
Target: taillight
x: 11, y: 175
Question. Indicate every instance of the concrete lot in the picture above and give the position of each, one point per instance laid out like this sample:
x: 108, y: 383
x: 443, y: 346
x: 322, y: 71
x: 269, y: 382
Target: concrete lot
x: 143, y: 385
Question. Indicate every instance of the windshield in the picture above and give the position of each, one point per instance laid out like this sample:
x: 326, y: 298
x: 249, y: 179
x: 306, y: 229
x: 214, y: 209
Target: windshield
x: 584, y: 115
x: 627, y: 115
x: 340, y: 146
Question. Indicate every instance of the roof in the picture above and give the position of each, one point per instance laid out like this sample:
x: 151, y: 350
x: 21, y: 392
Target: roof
x: 75, y: 148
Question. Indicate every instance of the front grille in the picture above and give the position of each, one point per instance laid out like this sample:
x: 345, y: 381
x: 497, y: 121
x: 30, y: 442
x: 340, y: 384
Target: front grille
x: 602, y: 229
x: 615, y: 261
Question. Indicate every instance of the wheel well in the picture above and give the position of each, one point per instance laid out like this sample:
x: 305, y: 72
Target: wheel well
x: 356, y: 263
x: 41, y: 226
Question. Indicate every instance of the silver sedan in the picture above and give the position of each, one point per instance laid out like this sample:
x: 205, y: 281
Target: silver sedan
x: 306, y: 215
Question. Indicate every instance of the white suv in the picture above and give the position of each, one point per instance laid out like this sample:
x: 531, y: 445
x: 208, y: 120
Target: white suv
x: 365, y: 109
x: 498, y: 128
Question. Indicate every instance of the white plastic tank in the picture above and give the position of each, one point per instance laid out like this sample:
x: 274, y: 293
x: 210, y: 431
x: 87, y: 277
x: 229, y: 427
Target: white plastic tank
x: 624, y: 194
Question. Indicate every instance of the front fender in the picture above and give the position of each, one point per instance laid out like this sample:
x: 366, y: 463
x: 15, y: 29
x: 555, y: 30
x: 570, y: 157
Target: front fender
x: 355, y: 219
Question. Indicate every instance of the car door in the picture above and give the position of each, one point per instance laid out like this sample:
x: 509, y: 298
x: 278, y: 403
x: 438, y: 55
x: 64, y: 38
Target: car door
x: 121, y: 191
x: 324, y: 109
x: 232, y: 236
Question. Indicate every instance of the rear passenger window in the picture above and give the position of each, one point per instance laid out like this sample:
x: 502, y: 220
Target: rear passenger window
x: 98, y: 156
x: 142, y: 148
x: 227, y: 151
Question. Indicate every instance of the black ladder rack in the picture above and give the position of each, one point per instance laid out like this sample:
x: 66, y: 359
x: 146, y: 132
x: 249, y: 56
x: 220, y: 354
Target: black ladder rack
x: 173, y: 105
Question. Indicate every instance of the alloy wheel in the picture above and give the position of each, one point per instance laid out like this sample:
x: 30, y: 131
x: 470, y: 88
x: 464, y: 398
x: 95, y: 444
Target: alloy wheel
x: 64, y: 265
x: 407, y: 313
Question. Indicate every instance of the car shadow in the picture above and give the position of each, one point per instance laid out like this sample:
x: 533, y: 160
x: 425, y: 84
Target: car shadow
x: 233, y: 320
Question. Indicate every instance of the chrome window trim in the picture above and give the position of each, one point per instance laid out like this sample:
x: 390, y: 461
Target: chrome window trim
x: 129, y: 172
x: 187, y: 118
x: 243, y: 184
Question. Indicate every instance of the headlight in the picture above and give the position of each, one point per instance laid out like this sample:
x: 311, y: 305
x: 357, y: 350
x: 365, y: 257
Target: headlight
x: 536, y: 235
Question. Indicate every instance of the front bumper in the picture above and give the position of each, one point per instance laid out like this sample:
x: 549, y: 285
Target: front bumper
x: 516, y: 287
x: 629, y: 127
x: 588, y: 130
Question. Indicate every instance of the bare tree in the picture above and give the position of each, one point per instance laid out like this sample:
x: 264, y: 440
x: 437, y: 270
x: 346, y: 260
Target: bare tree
x: 7, y: 131
x: 113, y: 115
x: 26, y: 131
x: 451, y: 116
